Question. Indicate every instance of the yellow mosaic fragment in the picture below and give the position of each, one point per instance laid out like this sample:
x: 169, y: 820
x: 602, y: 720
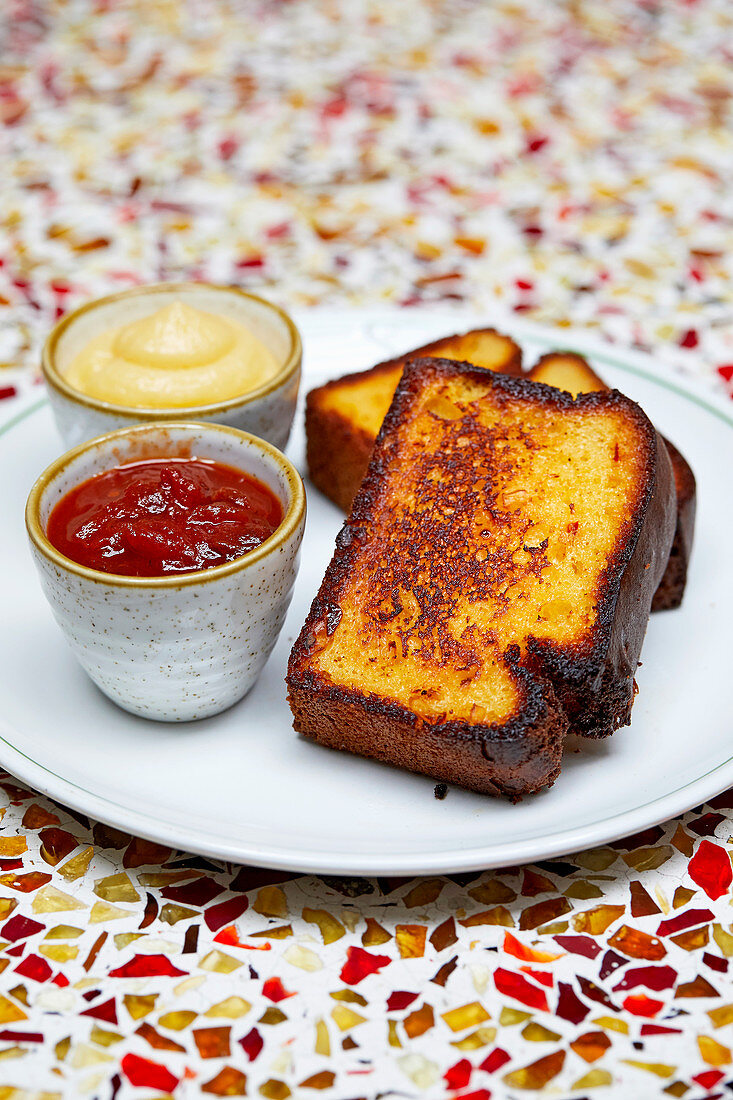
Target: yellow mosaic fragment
x: 648, y: 859
x: 713, y: 1052
x: 468, y: 1015
x: 274, y: 1090
x: 596, y: 921
x: 139, y: 1005
x: 50, y: 900
x: 537, y: 1074
x: 723, y: 939
x: 280, y: 932
x: 303, y: 958
x: 116, y: 888
x: 9, y: 1012
x: 510, y: 1017
x: 345, y: 1018
x: 583, y: 890
x: 59, y: 953
x: 171, y: 914
x: 177, y: 1021
x: 323, y: 1042
x: 498, y: 915
x: 659, y: 1069
x: 393, y: 1038
x: 536, y: 1033
x: 374, y: 934
x: 12, y: 846
x: 423, y: 893
x: 75, y: 867
x: 104, y: 1038
x: 611, y: 1023
x: 62, y: 1048
x: 231, y: 1009
x: 330, y: 928
x: 596, y: 859
x: 6, y: 907
x: 272, y: 1016
x: 84, y: 1055
x: 492, y: 892
x: 219, y: 963
x: 721, y: 1016
x: 63, y: 932
x: 410, y: 940
x: 351, y: 996
x: 124, y: 939
x: 271, y: 902
x: 594, y: 1079
x: 103, y: 911
x: 419, y: 1069
x: 681, y: 896
x: 481, y: 1037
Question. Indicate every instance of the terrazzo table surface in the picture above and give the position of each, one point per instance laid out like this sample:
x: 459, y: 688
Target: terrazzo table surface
x: 570, y: 162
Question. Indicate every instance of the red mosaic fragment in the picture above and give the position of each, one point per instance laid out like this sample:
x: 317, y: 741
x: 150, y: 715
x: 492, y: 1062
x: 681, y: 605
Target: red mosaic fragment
x: 705, y: 825
x: 579, y: 945
x: 34, y: 967
x: 534, y: 884
x: 594, y: 993
x: 658, y: 1029
x: 540, y: 976
x: 106, y: 1012
x: 569, y: 1005
x: 495, y: 1060
x: 141, y: 853
x: 611, y: 961
x: 685, y: 920
x: 275, y: 991
x: 148, y: 966
x: 17, y: 951
x: 653, y: 977
x: 228, y: 936
x: 60, y: 980
x: 252, y: 1044
x: 6, y: 392
x: 445, y: 971
x: 458, y: 1076
x: 642, y: 905
x: 708, y: 1079
x: 19, y: 928
x: 360, y: 964
x: 517, y: 986
x: 711, y: 869
x: 10, y: 864
x: 151, y: 911
x: 715, y: 962
x: 638, y: 1004
x: 477, y: 1094
x: 646, y: 838
x: 513, y: 946
x: 725, y: 370
x: 147, y: 1032
x: 689, y: 339
x: 141, y: 1071
x: 56, y: 844
x: 7, y: 1036
x: 400, y: 999
x: 225, y: 912
x: 199, y: 892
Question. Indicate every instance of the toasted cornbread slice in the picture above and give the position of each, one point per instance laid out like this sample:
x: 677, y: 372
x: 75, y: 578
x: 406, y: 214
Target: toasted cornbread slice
x: 572, y: 373
x: 491, y: 588
x: 342, y: 417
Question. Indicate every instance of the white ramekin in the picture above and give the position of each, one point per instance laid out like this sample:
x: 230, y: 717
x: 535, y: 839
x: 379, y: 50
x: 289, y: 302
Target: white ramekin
x: 266, y: 411
x: 181, y: 647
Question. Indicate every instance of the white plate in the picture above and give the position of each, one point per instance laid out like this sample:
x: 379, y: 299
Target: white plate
x: 243, y: 787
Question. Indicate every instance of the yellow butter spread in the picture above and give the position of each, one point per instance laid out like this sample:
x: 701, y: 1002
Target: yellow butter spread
x: 173, y: 358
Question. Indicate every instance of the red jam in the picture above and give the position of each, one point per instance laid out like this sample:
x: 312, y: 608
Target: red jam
x: 161, y: 516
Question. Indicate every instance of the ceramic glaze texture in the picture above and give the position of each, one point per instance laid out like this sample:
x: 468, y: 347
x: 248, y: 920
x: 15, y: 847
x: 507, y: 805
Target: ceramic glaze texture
x: 174, y: 649
x: 266, y: 412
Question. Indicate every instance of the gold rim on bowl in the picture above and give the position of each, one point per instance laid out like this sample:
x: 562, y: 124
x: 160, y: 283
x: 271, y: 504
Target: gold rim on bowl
x: 55, y: 379
x: 294, y: 513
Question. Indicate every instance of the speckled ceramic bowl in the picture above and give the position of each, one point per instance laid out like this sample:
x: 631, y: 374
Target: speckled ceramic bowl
x: 266, y: 411
x: 172, y: 648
